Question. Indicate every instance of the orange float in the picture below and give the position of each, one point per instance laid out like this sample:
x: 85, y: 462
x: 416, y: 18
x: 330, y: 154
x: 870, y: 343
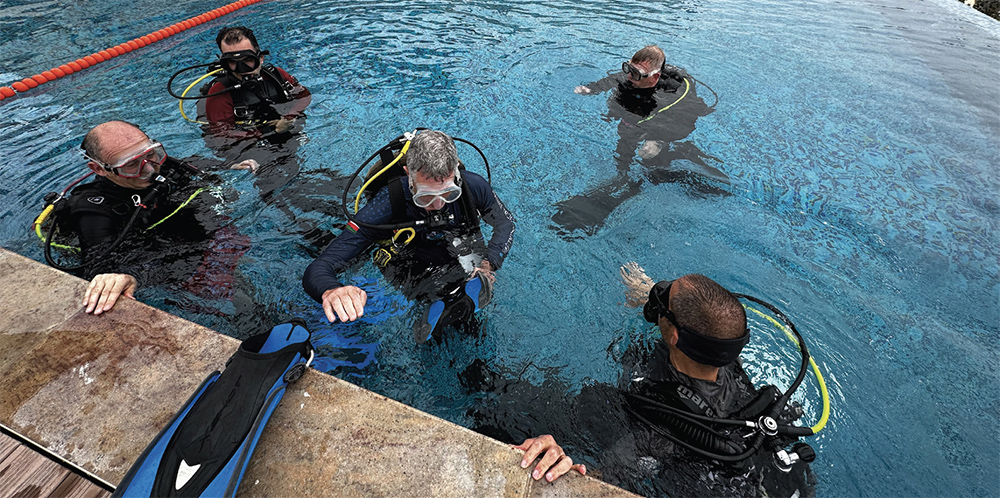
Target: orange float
x: 121, y: 49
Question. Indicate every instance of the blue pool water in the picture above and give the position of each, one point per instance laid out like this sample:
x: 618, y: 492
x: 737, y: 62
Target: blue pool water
x: 861, y: 139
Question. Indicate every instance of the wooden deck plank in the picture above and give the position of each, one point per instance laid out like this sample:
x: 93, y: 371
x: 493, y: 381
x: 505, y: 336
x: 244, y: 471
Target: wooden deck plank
x: 21, y: 462
x: 26, y: 473
x: 75, y: 486
x: 7, y: 445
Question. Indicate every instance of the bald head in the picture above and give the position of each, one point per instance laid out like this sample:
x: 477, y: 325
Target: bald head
x: 111, y: 137
x: 701, y: 304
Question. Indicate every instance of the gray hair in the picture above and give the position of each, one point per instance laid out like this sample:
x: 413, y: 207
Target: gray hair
x: 433, y: 154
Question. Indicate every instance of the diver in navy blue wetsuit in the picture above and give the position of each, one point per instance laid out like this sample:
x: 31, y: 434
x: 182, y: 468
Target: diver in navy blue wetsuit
x: 440, y: 259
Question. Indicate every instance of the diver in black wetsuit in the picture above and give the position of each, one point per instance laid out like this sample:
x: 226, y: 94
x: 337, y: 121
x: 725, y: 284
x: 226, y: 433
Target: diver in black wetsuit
x: 146, y: 218
x: 656, y: 106
x: 440, y: 258
x: 625, y: 431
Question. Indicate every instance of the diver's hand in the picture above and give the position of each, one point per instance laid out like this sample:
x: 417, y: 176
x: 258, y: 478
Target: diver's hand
x: 281, y: 125
x: 637, y: 284
x: 485, y: 269
x: 249, y: 164
x: 345, y: 303
x: 554, y: 462
x: 105, y: 289
x: 582, y: 90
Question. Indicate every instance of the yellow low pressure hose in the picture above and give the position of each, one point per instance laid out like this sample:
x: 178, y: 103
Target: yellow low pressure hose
x: 687, y: 88
x: 38, y: 228
x: 180, y: 102
x: 357, y: 200
x: 185, y: 203
x: 815, y: 368
x: 41, y: 219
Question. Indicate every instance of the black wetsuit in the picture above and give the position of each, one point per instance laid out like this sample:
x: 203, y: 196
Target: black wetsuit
x: 99, y: 211
x: 640, y: 120
x: 630, y: 105
x: 602, y: 428
x: 238, y: 131
x: 432, y: 251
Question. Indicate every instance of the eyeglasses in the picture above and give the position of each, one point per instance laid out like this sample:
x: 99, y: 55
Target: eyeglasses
x: 242, y: 61
x: 636, y: 73
x: 134, y: 164
x: 450, y: 194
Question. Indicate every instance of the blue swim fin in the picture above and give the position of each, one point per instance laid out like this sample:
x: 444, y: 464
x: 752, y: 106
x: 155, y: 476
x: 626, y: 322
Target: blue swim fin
x: 423, y: 328
x: 480, y: 291
x: 205, y: 449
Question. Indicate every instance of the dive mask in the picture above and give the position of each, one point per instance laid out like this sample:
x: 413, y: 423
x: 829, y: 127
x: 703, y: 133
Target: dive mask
x: 424, y: 198
x: 449, y: 194
x: 699, y: 347
x: 636, y: 73
x: 142, y: 162
x: 242, y: 62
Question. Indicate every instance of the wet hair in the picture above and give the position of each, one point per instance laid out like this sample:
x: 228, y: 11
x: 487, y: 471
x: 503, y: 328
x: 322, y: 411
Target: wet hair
x: 91, y: 144
x: 433, y: 154
x: 702, y: 304
x: 650, y: 53
x: 236, y: 34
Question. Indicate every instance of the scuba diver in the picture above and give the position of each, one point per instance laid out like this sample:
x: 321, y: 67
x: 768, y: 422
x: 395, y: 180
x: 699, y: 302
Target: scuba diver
x: 685, y: 419
x: 146, y: 218
x: 656, y: 106
x: 250, y: 110
x: 241, y: 103
x: 426, y: 222
x: 254, y: 110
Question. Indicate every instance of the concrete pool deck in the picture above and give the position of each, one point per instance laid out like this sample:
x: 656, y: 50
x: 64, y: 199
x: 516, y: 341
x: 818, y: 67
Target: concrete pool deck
x: 96, y: 389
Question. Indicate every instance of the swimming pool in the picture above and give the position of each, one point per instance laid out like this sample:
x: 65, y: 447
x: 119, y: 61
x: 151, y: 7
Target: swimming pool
x: 861, y: 138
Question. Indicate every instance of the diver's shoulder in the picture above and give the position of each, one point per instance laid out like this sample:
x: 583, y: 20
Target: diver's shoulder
x: 474, y: 178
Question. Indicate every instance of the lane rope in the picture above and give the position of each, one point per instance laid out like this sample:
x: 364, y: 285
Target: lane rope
x: 121, y: 49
